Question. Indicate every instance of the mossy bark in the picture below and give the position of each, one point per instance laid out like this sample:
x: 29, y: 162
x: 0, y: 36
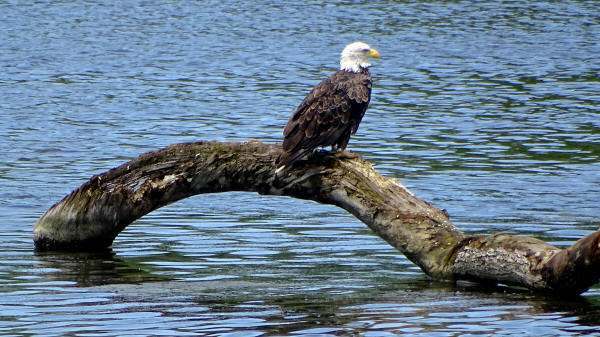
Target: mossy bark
x: 94, y: 214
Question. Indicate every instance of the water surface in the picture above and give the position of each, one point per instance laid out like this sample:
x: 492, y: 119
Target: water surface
x: 490, y: 110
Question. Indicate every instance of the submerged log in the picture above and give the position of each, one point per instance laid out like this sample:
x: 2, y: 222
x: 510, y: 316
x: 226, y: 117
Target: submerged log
x: 95, y: 213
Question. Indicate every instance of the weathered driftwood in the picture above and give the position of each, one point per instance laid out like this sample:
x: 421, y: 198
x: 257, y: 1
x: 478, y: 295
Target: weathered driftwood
x: 94, y: 214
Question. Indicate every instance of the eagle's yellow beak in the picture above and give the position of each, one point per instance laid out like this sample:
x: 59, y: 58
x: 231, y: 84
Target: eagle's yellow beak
x: 373, y: 54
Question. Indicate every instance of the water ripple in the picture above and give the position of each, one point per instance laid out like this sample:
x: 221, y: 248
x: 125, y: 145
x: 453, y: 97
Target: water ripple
x: 487, y: 109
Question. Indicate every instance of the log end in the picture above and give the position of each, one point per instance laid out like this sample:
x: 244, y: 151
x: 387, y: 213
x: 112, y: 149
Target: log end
x: 575, y: 269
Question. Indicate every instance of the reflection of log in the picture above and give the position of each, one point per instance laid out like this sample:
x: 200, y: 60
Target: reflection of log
x: 94, y: 214
x: 89, y: 269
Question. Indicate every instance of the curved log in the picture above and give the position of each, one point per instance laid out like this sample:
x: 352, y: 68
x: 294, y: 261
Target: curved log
x: 95, y: 213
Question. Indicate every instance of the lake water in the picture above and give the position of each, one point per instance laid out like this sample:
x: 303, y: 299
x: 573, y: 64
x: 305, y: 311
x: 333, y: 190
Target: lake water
x: 490, y: 110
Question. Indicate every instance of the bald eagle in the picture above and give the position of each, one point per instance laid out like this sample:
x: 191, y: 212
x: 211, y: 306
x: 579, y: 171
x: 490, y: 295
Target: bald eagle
x: 332, y: 111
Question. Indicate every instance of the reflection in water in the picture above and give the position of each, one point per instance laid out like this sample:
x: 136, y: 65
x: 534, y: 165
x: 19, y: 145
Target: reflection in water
x: 94, y: 269
x: 487, y: 109
x: 392, y: 304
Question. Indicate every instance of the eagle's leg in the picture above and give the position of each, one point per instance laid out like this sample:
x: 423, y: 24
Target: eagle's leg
x: 335, y: 148
x: 342, y: 153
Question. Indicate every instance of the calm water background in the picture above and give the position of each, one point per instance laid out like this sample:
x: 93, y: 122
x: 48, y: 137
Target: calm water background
x: 488, y: 109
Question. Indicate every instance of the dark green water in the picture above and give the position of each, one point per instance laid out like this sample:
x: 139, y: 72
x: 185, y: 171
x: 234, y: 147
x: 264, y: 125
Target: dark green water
x: 490, y: 110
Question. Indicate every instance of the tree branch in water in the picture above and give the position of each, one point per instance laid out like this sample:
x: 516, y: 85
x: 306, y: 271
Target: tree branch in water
x: 95, y: 213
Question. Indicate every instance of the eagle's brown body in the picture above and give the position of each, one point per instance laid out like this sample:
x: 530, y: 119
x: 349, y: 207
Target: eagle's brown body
x: 328, y: 115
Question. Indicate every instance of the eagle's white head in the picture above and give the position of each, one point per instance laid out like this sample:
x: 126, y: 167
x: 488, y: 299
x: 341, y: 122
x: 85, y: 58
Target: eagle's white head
x: 356, y: 55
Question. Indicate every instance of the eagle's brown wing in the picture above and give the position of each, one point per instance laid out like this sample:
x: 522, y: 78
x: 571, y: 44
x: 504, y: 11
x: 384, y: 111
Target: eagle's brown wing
x: 328, y: 115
